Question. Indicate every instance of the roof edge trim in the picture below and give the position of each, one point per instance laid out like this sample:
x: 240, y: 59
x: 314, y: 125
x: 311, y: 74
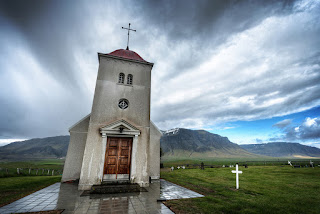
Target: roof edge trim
x: 125, y: 59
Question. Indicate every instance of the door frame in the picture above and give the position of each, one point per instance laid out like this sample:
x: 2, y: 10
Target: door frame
x: 120, y: 128
x: 118, y: 159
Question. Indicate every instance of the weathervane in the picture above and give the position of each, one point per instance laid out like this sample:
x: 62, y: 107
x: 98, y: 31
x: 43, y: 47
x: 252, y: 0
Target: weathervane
x: 128, y: 34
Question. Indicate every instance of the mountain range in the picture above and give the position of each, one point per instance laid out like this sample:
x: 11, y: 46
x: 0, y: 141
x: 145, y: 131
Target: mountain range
x: 37, y: 148
x: 185, y: 143
x: 282, y: 149
x: 176, y: 143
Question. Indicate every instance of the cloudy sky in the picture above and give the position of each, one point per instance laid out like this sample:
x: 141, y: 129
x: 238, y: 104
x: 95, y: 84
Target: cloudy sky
x: 248, y: 70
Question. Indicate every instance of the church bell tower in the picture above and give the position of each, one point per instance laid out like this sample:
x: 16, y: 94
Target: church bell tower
x: 117, y: 141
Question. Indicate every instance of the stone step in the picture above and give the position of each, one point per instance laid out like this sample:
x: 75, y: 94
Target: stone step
x: 115, y: 182
x: 114, y: 188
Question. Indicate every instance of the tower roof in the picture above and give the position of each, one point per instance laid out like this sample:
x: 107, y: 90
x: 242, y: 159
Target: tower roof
x: 127, y: 54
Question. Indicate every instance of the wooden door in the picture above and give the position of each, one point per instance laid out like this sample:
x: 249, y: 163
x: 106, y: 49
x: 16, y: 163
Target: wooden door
x: 124, y: 156
x: 118, y: 156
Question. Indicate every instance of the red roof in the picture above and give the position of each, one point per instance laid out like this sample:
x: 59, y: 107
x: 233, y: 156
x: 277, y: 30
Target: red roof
x: 127, y: 54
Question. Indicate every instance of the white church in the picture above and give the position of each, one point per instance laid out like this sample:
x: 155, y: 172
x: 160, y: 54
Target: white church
x: 117, y: 141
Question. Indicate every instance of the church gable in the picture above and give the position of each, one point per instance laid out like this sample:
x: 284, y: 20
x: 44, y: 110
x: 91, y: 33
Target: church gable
x: 119, y: 127
x: 153, y: 126
x: 82, y: 125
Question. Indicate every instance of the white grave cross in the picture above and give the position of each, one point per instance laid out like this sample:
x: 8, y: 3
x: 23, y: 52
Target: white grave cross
x: 237, y: 175
x: 311, y: 163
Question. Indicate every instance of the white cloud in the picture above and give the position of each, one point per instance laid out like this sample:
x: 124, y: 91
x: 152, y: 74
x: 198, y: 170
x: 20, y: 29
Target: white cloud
x: 306, y: 132
x: 262, y: 72
x: 283, y: 123
x: 228, y: 127
x: 211, y: 66
x: 4, y: 142
x: 309, y: 122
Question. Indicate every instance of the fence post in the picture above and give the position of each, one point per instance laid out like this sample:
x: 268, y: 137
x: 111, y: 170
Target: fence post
x: 37, y: 172
x: 29, y: 171
x: 18, y: 171
x: 52, y: 172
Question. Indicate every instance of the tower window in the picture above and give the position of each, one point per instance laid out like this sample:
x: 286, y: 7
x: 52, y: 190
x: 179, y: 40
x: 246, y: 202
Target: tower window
x: 129, y: 80
x: 121, y: 78
x: 123, y: 103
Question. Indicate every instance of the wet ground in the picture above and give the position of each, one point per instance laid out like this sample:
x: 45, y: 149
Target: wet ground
x: 68, y: 197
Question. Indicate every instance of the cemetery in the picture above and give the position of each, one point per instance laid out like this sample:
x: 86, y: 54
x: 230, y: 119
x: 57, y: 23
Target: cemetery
x: 262, y: 188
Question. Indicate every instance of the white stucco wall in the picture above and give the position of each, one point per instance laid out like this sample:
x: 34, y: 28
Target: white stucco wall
x: 105, y: 110
x: 73, y: 162
x: 154, y: 163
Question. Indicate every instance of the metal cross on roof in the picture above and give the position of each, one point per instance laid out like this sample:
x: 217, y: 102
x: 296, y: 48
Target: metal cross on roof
x: 128, y: 34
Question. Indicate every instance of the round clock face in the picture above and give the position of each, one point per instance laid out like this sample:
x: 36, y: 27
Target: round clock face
x: 123, y: 103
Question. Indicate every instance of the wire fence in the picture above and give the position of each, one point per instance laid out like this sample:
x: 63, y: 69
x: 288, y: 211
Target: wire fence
x: 15, y: 172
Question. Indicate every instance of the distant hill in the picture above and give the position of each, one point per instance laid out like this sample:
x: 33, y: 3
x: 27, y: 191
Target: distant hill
x: 283, y: 149
x: 185, y: 143
x: 50, y: 147
x: 176, y: 144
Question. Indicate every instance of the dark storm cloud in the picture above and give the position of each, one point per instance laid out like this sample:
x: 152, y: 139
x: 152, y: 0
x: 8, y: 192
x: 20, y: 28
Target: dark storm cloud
x: 48, y: 32
x: 197, y: 19
x: 204, y: 24
x: 215, y: 61
x: 261, y: 72
x: 48, y: 62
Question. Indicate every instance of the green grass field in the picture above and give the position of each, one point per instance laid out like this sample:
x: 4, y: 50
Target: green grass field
x: 218, y: 162
x: 263, y: 189
x: 9, y: 169
x: 267, y: 186
x: 13, y: 188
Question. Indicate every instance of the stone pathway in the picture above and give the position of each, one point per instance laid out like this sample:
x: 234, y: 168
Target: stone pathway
x: 67, y: 197
x: 169, y: 191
